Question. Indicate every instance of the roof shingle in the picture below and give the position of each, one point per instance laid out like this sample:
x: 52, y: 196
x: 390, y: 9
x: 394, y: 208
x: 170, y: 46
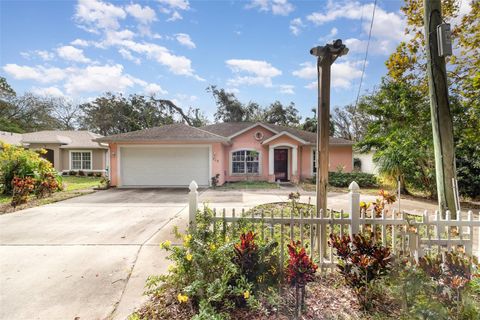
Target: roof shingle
x: 172, y: 132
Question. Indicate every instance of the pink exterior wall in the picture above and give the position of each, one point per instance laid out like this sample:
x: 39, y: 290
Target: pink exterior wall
x: 221, y: 156
x: 247, y: 141
x: 341, y: 156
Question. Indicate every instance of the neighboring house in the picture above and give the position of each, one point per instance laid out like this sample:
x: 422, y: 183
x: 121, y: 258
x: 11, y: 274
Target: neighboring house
x: 66, y: 150
x: 366, y: 162
x: 11, y: 138
x: 174, y: 155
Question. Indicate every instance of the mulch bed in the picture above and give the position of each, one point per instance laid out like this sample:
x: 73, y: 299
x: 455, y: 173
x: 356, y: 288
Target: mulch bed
x: 327, y: 299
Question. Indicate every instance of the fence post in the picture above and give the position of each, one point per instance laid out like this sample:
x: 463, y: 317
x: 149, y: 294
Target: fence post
x: 192, y: 203
x: 354, y: 198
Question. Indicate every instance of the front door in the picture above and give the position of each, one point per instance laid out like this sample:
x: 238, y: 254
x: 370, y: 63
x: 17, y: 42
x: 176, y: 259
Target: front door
x: 49, y: 156
x: 281, y: 164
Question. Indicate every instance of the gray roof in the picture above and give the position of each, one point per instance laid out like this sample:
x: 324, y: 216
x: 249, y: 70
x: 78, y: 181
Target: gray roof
x: 67, y: 139
x: 171, y: 132
x: 10, y: 137
x: 228, y: 129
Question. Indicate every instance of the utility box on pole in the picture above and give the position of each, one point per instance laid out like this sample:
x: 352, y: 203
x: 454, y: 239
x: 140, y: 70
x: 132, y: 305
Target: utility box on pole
x: 442, y: 124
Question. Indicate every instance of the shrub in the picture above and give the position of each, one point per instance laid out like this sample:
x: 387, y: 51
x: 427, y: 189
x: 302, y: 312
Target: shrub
x: 72, y: 172
x: 90, y: 174
x: 21, y: 187
x: 361, y: 262
x: 436, y: 288
x: 208, y: 274
x: 19, y: 162
x: 343, y: 179
x: 46, y: 184
x: 215, y: 180
x: 81, y: 173
x: 98, y: 174
x: 256, y: 263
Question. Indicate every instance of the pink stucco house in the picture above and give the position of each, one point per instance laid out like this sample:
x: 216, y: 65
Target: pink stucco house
x: 174, y: 155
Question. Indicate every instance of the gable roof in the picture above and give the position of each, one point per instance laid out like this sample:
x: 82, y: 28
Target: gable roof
x: 171, y: 132
x: 228, y: 129
x: 67, y: 139
x: 10, y: 137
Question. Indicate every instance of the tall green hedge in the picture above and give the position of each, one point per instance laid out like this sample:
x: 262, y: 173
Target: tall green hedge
x: 343, y: 179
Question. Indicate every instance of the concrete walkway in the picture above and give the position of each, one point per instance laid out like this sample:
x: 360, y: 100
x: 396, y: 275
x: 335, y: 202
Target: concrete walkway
x: 89, y: 257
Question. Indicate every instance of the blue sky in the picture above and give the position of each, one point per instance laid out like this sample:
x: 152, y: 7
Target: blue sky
x: 176, y: 48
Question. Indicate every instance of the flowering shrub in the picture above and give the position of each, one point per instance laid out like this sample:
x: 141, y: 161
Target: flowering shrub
x: 19, y: 162
x: 46, y: 184
x: 380, y: 204
x: 22, y: 187
x: 300, y: 269
x: 212, y: 274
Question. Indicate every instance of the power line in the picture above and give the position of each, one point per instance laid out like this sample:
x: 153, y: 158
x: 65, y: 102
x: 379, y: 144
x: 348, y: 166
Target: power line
x: 366, y: 54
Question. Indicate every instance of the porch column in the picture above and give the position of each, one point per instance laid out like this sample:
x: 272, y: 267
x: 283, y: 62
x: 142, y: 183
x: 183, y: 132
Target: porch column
x: 294, y: 161
x: 270, y: 160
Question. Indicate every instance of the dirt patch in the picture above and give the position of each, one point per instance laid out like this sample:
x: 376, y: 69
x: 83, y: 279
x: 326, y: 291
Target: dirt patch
x: 58, y: 196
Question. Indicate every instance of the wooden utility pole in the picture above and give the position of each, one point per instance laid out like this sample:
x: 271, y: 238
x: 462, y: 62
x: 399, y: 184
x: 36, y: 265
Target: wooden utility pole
x: 323, y: 129
x: 326, y: 56
x: 442, y: 123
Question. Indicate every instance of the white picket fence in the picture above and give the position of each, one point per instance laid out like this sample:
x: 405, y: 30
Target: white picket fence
x: 404, y: 233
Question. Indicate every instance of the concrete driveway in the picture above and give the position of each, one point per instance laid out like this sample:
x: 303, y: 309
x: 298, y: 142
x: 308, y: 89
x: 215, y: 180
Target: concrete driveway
x: 89, y: 257
x: 75, y: 258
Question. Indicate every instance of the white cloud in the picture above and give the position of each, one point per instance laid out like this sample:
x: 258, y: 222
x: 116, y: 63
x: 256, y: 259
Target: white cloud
x: 94, y: 14
x: 277, y: 7
x: 286, y: 89
x: 173, y: 7
x: 99, y: 79
x: 38, y: 73
x: 45, y: 55
x: 296, y: 26
x: 330, y: 36
x: 343, y: 73
x: 128, y: 55
x: 232, y: 90
x: 177, y: 64
x: 144, y: 15
x: 154, y: 89
x: 258, y: 72
x: 72, y: 54
x: 175, y: 16
x: 176, y: 4
x: 75, y: 80
x: 80, y: 43
x: 185, y: 40
x: 48, y: 92
x: 388, y: 27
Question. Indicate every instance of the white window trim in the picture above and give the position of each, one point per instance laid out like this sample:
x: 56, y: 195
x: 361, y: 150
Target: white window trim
x: 81, y: 151
x: 230, y: 163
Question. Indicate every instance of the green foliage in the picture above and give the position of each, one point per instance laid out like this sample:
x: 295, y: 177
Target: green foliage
x: 343, y: 179
x: 423, y: 290
x: 362, y: 261
x: 279, y: 114
x: 22, y: 163
x: 230, y: 109
x: 213, y: 275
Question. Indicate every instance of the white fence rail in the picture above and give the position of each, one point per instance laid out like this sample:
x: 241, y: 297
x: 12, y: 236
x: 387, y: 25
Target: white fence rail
x: 404, y: 233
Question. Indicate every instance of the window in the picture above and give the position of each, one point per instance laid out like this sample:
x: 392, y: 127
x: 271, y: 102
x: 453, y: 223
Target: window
x: 81, y: 160
x: 314, y: 157
x: 245, y: 161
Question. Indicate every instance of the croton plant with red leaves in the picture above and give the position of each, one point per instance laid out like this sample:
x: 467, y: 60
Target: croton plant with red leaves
x: 300, y: 269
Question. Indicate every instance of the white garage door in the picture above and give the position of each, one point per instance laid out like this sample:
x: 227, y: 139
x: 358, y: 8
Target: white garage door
x: 164, y: 166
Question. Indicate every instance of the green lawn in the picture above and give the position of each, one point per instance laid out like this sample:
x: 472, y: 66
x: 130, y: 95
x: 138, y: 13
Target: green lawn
x: 78, y: 183
x: 5, y: 198
x: 248, y: 185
